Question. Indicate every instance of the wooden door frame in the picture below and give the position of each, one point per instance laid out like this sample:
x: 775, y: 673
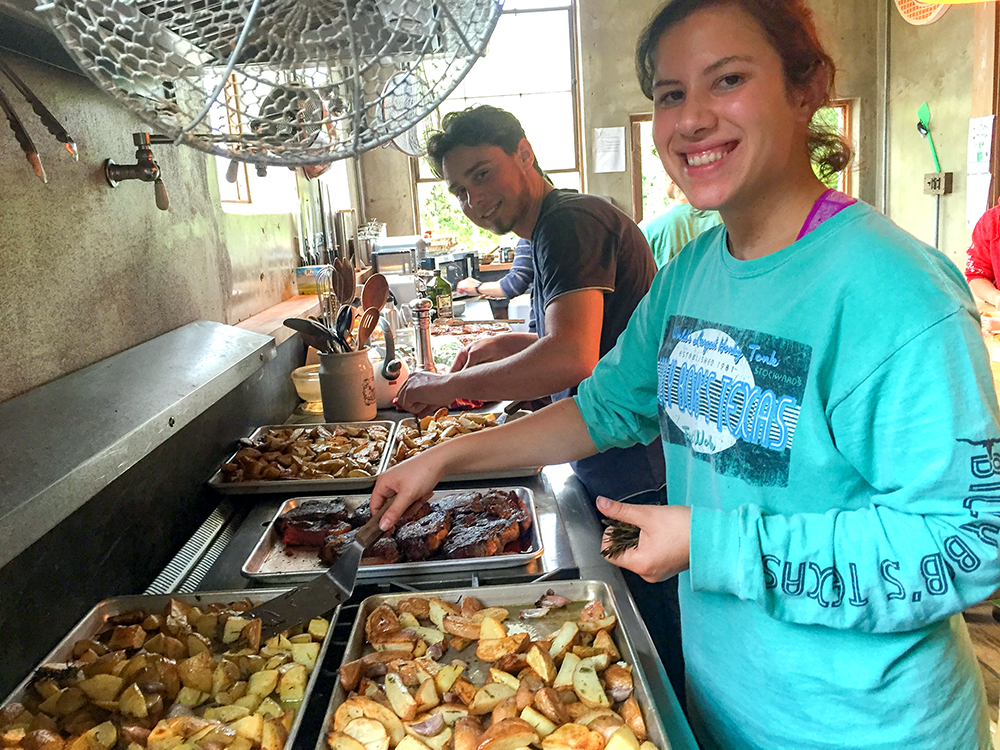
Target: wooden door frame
x: 986, y: 80
x: 635, y: 148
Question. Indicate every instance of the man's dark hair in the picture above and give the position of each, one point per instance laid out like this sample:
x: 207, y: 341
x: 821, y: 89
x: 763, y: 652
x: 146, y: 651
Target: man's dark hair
x: 476, y: 126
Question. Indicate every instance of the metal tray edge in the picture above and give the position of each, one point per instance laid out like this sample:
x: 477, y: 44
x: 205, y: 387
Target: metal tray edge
x: 378, y: 571
x: 95, y: 618
x: 473, y: 476
x: 512, y: 594
x: 277, y: 487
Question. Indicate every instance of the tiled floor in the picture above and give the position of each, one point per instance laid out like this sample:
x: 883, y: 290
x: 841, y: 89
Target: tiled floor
x: 985, y: 632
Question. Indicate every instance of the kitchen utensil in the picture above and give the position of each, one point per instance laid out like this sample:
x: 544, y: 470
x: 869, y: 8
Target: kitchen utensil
x: 323, y: 593
x: 375, y: 292
x: 345, y: 322
x: 369, y: 321
x: 509, y: 409
x: 23, y: 139
x: 350, y: 283
x: 391, y: 367
x: 329, y: 300
x: 314, y: 333
x: 48, y: 119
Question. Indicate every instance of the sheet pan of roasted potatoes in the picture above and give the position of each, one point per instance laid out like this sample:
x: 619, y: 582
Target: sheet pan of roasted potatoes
x: 492, y: 668
x: 293, y: 458
x: 414, y: 436
x: 170, y: 672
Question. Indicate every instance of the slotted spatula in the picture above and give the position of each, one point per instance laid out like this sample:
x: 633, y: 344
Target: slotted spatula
x: 323, y: 593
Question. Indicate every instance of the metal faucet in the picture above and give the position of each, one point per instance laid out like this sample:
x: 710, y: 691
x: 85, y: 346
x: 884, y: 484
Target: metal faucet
x: 144, y: 169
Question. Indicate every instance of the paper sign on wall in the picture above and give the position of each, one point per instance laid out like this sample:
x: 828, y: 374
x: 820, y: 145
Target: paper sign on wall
x: 978, y: 178
x: 980, y: 144
x: 609, y: 149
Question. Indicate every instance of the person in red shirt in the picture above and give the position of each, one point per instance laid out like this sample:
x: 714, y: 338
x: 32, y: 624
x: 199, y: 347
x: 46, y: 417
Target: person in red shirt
x: 984, y: 258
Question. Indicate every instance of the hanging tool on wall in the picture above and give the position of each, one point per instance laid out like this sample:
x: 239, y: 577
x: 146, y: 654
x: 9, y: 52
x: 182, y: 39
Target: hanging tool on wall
x: 20, y: 132
x: 936, y: 183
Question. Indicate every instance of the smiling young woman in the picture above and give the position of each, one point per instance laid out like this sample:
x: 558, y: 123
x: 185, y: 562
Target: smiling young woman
x: 819, y: 385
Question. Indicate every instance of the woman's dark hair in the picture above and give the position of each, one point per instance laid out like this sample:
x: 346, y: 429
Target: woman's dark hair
x: 476, y: 126
x: 791, y: 31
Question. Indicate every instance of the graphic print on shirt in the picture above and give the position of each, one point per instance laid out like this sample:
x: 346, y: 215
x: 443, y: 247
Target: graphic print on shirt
x: 732, y: 396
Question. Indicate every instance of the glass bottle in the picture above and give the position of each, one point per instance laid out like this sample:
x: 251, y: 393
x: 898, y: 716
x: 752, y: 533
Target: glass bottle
x: 442, y: 295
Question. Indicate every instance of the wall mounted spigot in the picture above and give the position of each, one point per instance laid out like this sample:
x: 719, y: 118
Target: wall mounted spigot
x: 144, y: 169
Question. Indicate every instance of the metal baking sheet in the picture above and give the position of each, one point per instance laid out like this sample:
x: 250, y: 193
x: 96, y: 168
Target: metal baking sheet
x: 95, y: 621
x: 272, y: 562
x: 282, y: 486
x: 468, y: 476
x: 514, y: 598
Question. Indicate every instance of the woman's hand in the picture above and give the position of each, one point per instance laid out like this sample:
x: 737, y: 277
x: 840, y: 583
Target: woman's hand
x: 664, y: 540
x: 405, y: 484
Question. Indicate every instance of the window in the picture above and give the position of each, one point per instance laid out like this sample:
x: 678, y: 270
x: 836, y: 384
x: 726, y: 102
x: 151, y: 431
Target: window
x: 251, y: 193
x: 529, y: 70
x: 838, y: 117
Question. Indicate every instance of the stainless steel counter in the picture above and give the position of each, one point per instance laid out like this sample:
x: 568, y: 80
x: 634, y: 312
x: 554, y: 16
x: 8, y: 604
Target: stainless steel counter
x: 66, y: 441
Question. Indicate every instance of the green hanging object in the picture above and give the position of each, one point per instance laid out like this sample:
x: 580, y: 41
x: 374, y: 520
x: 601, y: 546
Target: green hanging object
x: 923, y: 127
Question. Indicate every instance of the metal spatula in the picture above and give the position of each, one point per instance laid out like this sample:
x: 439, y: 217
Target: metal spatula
x: 322, y: 593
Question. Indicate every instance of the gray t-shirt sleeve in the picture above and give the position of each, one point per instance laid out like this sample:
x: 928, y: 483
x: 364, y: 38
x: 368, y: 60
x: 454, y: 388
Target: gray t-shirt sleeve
x: 574, y: 251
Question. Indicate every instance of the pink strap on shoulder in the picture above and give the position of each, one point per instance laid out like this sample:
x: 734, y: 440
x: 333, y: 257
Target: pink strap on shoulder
x: 826, y: 206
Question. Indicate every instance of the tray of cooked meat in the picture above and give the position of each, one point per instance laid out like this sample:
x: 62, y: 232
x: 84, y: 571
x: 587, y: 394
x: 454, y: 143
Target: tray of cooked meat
x: 296, y: 458
x: 495, y: 668
x: 414, y: 436
x: 184, y: 670
x: 497, y: 528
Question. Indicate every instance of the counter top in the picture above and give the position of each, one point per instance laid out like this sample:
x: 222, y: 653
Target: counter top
x: 63, y: 442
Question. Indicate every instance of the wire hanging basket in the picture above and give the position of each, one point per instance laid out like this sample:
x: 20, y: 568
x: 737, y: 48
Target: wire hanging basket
x: 278, y: 82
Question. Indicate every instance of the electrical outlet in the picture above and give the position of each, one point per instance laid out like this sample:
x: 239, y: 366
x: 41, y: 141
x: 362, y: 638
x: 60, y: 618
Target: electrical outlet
x: 938, y: 183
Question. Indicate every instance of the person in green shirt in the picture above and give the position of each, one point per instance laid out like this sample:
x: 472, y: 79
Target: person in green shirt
x: 667, y: 233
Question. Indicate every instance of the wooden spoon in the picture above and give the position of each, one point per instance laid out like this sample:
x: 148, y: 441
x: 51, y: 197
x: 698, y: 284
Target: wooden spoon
x: 369, y: 320
x: 349, y: 282
x: 375, y: 292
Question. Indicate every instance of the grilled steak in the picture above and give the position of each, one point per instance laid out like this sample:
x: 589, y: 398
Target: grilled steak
x: 360, y: 515
x: 480, y: 540
x: 382, y: 552
x: 414, y: 513
x: 420, y: 539
x: 460, y: 503
x: 501, y: 504
x: 310, y: 511
x: 334, y: 545
x: 308, y: 524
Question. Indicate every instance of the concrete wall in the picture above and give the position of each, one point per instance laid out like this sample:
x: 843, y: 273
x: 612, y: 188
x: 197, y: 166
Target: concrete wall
x: 930, y: 63
x: 87, y: 271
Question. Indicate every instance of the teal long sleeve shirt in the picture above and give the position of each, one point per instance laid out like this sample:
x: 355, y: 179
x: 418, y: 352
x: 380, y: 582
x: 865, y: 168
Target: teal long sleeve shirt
x: 828, y: 414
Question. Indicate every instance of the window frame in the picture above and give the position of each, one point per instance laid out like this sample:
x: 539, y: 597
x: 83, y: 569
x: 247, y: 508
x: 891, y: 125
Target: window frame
x: 570, y: 9
x: 845, y: 179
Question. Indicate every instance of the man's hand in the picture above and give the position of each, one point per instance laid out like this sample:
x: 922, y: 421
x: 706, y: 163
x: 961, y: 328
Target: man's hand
x: 664, y: 548
x: 424, y: 392
x: 484, y: 350
x: 466, y: 286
